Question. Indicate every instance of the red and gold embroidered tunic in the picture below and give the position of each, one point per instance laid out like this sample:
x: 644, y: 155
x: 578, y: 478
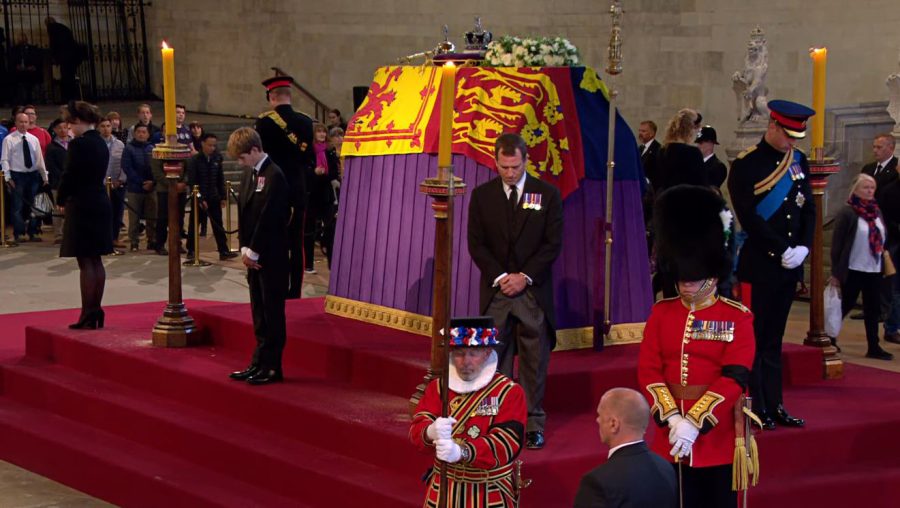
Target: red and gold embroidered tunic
x: 490, y: 423
x: 696, y: 363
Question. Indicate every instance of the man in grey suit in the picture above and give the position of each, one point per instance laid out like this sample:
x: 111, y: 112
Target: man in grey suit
x: 632, y: 476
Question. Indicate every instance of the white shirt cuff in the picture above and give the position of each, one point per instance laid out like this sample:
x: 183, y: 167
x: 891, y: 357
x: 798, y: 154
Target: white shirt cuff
x: 528, y: 280
x: 247, y: 251
x: 497, y: 280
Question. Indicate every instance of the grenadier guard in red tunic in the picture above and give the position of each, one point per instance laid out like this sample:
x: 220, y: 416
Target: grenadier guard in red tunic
x: 485, y: 429
x: 697, y: 351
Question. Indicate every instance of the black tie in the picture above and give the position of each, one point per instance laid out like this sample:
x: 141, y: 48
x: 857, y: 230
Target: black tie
x: 513, y: 199
x: 878, y: 168
x: 26, y: 150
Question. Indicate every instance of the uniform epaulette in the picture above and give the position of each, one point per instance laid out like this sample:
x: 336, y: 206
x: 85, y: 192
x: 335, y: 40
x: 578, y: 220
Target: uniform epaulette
x: 265, y: 114
x: 737, y: 305
x: 745, y: 152
x: 669, y: 299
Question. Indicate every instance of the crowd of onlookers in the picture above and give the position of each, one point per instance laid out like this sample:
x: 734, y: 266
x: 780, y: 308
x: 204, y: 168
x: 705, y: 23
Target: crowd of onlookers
x: 32, y: 165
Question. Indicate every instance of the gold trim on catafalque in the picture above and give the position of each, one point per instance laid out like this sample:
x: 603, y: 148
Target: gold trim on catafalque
x: 662, y: 400
x: 722, y: 331
x: 703, y: 409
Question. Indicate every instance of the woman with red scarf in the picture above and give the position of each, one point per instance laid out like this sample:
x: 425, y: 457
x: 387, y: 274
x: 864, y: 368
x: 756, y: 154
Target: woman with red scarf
x: 857, y: 258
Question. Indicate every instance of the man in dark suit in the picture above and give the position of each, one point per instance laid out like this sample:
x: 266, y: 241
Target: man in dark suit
x: 287, y: 137
x: 772, y: 196
x: 884, y: 170
x: 649, y: 148
x: 632, y: 475
x: 884, y: 167
x: 515, y: 234
x: 716, y: 172
x: 263, y: 216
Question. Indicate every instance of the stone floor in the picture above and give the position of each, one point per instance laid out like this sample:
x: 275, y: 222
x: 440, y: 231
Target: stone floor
x: 35, y: 278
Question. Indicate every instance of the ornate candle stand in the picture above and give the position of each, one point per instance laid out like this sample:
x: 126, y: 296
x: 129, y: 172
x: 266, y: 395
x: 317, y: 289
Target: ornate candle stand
x: 175, y: 328
x: 441, y: 192
x: 820, y: 169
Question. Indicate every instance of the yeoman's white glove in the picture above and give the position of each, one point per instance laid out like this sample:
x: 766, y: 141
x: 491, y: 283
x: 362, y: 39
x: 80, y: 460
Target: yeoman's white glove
x: 442, y: 428
x: 448, y: 450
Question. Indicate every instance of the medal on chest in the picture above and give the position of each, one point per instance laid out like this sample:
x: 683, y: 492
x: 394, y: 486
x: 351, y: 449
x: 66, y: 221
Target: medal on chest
x: 531, y: 201
x: 260, y: 183
x: 800, y: 199
x: 488, y: 407
x: 721, y: 331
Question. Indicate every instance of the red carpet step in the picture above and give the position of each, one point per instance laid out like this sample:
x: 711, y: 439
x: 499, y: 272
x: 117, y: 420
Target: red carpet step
x: 105, y: 412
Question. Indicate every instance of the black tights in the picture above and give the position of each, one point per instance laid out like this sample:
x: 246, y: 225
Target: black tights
x: 93, y: 281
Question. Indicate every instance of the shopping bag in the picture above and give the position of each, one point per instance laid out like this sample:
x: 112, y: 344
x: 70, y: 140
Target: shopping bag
x: 43, y: 206
x: 833, y: 317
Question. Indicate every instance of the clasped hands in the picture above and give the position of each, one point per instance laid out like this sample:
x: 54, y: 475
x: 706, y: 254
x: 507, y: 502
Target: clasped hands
x: 440, y: 432
x: 513, y: 284
x: 793, y: 257
x: 682, y: 434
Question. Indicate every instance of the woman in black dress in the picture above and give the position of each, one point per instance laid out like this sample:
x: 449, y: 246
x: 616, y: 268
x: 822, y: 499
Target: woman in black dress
x: 87, y: 231
x: 679, y: 160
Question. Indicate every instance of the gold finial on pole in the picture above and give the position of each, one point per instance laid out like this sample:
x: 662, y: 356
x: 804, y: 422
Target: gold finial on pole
x: 615, y: 40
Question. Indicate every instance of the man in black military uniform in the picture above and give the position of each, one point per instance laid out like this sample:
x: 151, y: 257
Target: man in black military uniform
x: 771, y: 193
x: 287, y: 137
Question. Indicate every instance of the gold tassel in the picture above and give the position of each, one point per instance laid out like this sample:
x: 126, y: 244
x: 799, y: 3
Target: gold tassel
x: 754, y: 460
x: 740, y: 466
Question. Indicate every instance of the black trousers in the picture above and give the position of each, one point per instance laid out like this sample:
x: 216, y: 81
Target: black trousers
x: 311, y: 229
x: 268, y: 288
x: 295, y: 252
x: 162, y: 218
x: 770, y: 301
x: 214, y: 212
x: 869, y: 284
x: 707, y: 487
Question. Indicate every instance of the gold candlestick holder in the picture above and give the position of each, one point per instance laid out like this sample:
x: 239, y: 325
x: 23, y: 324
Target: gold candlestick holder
x: 175, y: 328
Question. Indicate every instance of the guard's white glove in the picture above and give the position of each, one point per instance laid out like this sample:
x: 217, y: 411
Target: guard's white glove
x: 673, y: 422
x: 442, y: 428
x: 335, y: 184
x: 448, y: 450
x: 682, y: 436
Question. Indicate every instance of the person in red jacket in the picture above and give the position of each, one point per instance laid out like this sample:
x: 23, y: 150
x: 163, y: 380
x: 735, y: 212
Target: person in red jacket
x: 697, y: 350
x: 485, y: 428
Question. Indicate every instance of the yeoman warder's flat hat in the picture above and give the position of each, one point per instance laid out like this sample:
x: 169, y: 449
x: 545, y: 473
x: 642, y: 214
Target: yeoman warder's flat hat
x: 791, y: 117
x: 473, y: 332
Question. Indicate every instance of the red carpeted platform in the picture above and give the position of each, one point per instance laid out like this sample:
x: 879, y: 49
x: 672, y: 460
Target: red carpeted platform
x: 108, y: 414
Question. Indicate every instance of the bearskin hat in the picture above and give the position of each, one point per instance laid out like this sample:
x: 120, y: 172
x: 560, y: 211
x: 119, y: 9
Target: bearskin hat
x: 690, y: 222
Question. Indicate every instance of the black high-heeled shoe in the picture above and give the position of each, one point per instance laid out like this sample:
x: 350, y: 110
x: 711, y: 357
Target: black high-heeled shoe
x: 89, y: 321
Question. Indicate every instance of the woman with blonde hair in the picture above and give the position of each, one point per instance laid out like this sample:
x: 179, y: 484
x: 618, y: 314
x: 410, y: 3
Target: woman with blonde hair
x: 679, y: 160
x: 858, y: 258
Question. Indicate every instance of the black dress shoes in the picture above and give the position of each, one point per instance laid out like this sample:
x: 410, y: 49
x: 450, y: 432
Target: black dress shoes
x: 264, y: 377
x: 242, y: 375
x: 879, y: 354
x: 892, y: 337
x: 534, y: 440
x: 782, y: 416
x: 767, y: 422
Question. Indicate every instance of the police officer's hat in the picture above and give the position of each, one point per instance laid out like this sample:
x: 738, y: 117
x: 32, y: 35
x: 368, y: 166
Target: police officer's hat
x: 690, y: 235
x: 791, y: 117
x: 274, y: 82
x: 473, y: 332
x: 707, y: 133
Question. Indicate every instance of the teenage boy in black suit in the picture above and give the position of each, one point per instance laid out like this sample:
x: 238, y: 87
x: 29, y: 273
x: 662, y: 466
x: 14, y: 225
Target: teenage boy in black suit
x: 514, y: 235
x: 262, y: 234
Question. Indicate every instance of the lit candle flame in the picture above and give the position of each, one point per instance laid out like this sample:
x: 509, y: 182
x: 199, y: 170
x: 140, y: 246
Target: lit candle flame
x: 165, y: 45
x: 449, y: 64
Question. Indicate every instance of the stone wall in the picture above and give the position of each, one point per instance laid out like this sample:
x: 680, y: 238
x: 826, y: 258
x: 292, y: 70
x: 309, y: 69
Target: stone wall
x: 677, y: 52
